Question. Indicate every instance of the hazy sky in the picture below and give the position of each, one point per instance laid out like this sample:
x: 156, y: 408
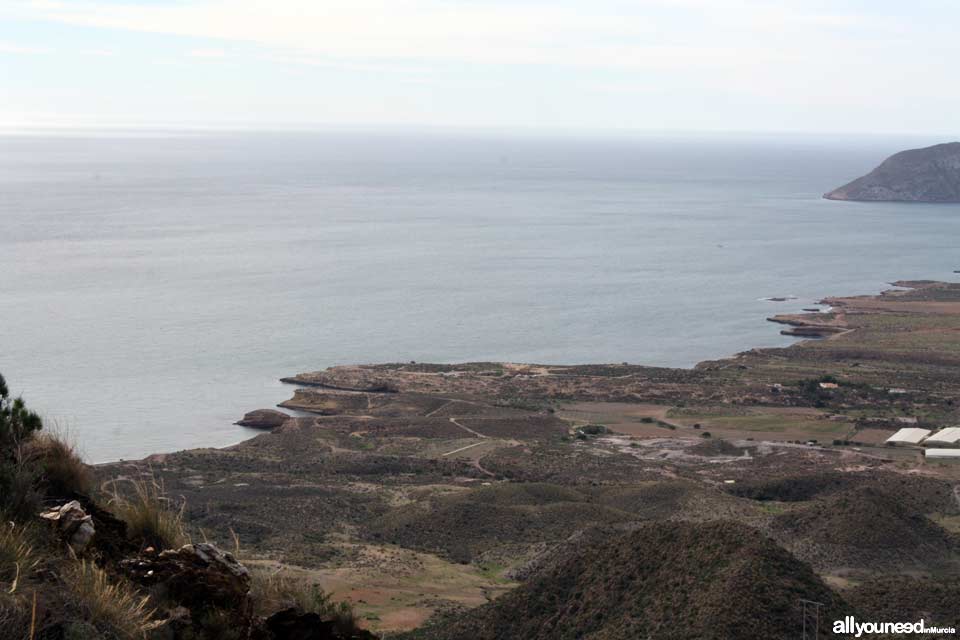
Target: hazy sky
x: 790, y: 65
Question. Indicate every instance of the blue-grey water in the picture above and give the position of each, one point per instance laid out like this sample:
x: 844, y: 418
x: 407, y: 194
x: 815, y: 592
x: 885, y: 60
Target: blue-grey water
x: 153, y: 288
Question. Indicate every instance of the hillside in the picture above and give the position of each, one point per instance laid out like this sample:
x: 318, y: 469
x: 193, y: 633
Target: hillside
x: 863, y: 527
x: 664, y: 580
x: 931, y: 174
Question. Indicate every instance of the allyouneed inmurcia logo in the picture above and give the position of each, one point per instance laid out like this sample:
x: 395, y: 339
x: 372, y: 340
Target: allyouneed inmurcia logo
x: 850, y: 627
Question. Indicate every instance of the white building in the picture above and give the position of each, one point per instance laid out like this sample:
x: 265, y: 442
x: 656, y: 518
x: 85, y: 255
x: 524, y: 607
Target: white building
x: 942, y: 454
x: 909, y: 435
x: 948, y: 436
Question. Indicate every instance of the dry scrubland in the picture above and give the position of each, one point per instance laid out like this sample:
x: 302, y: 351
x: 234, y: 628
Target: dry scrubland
x: 499, y: 500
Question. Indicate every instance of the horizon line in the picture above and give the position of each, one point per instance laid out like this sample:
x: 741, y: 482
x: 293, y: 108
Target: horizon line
x: 37, y: 128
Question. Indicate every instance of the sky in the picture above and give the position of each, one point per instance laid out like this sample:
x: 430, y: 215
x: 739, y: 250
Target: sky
x: 828, y: 66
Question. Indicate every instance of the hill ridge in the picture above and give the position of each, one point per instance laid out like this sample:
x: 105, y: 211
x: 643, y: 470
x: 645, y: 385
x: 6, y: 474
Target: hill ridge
x: 929, y: 174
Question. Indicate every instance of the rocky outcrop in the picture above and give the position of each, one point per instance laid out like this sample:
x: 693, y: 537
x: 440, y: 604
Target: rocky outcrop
x: 931, y: 174
x: 811, y: 325
x: 195, y: 576
x: 263, y: 419
x: 72, y: 524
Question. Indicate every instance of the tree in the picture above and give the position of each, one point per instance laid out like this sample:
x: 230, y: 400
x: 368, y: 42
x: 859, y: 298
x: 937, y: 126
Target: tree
x: 19, y: 498
x: 17, y: 423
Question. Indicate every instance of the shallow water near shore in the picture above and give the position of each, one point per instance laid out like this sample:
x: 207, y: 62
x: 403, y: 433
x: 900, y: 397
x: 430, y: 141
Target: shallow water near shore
x: 155, y: 287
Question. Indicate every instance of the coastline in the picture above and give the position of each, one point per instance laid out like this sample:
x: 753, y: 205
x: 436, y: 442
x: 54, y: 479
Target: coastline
x: 805, y: 327
x: 462, y: 476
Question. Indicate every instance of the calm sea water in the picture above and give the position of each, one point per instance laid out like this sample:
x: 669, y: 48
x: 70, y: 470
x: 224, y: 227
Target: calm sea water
x: 153, y: 288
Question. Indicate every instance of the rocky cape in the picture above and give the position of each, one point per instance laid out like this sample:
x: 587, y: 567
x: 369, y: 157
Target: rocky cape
x: 931, y: 174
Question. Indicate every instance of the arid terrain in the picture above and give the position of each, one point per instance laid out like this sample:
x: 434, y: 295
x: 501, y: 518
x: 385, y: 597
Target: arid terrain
x: 469, y: 500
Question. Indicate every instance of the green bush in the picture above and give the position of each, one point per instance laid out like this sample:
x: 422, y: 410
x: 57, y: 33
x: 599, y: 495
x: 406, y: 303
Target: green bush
x: 17, y: 423
x: 19, y: 498
x: 593, y: 429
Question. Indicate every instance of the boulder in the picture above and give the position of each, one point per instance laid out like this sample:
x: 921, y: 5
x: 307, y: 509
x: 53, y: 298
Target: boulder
x: 196, y: 576
x: 72, y: 523
x: 263, y: 419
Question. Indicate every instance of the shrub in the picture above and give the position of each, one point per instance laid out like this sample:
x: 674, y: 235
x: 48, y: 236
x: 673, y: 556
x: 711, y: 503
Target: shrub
x: 706, y: 434
x: 114, y: 608
x: 19, y: 498
x: 17, y: 423
x: 273, y: 591
x: 151, y: 517
x: 592, y: 429
x: 59, y: 467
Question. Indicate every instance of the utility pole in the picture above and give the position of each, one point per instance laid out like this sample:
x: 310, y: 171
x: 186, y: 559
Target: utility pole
x: 810, y: 608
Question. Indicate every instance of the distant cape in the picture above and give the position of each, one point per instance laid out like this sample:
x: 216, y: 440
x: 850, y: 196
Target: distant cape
x: 931, y: 174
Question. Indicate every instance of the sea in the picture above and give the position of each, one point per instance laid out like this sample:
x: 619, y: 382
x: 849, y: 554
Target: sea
x: 155, y: 285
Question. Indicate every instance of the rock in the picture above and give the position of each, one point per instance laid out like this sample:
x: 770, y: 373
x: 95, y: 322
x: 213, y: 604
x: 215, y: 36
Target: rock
x: 931, y: 174
x: 72, y: 523
x: 263, y: 419
x: 294, y: 624
x: 111, y: 541
x: 812, y: 331
x: 196, y: 576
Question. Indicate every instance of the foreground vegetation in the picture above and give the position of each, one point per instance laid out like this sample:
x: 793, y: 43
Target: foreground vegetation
x: 78, y: 572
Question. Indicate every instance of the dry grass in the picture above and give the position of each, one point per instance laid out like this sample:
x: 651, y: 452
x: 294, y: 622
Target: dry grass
x: 17, y: 558
x: 61, y: 469
x: 276, y: 590
x: 113, y: 607
x: 15, y: 618
x: 151, y: 517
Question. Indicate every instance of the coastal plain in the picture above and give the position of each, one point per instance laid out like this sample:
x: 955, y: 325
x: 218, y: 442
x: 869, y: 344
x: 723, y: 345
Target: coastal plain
x: 434, y: 495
